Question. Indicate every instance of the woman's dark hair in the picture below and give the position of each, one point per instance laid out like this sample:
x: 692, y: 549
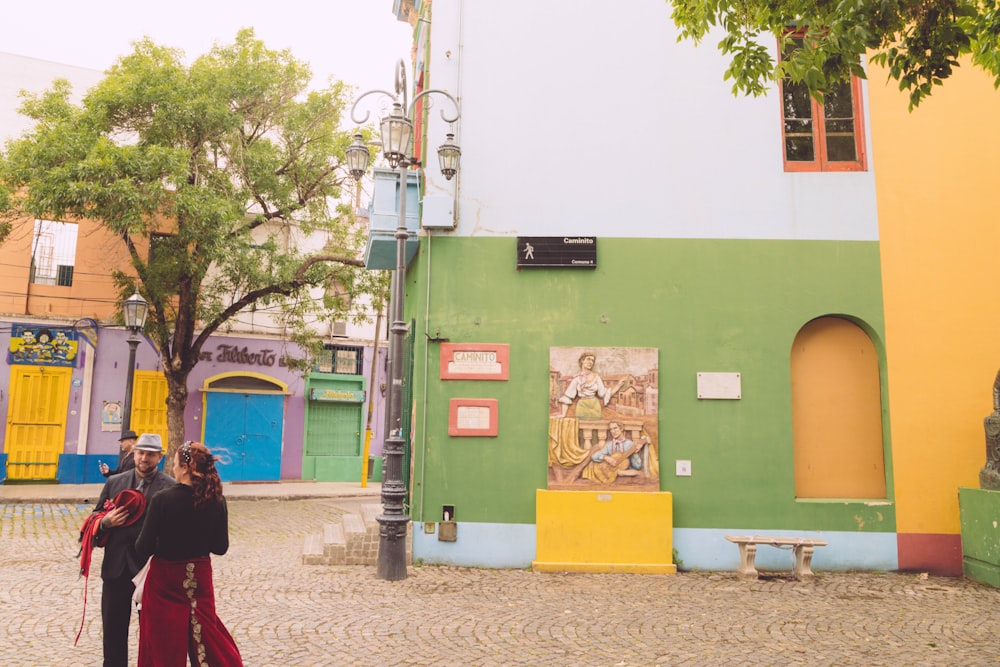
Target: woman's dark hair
x: 204, y: 477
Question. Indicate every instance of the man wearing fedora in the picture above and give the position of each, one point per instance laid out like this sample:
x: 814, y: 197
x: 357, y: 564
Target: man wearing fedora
x: 125, y: 459
x: 121, y: 530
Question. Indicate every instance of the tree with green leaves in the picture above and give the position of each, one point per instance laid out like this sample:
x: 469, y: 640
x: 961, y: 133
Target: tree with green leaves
x: 203, y: 172
x: 919, y: 43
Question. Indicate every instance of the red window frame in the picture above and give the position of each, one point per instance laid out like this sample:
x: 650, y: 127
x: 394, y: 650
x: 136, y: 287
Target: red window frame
x: 821, y: 130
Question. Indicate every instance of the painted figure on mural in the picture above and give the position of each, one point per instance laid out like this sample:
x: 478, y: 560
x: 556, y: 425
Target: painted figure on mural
x: 42, y: 347
x: 587, y: 390
x: 62, y: 347
x: 619, y: 450
x: 602, y: 427
x: 620, y: 457
x: 28, y: 347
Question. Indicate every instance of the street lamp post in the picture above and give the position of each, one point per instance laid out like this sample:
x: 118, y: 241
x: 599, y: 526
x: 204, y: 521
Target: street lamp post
x: 397, y: 142
x: 135, y: 309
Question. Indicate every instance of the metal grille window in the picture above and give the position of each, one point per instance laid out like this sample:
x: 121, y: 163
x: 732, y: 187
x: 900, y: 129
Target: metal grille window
x: 53, y: 253
x: 344, y: 359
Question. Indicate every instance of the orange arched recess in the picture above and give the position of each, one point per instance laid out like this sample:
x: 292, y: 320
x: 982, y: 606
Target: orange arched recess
x: 836, y: 412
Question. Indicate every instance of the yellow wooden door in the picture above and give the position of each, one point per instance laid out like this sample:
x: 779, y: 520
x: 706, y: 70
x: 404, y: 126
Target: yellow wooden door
x: 836, y: 412
x: 149, y: 404
x: 36, y: 421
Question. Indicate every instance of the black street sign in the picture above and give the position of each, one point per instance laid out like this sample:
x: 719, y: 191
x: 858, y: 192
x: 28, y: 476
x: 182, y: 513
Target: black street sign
x: 574, y: 252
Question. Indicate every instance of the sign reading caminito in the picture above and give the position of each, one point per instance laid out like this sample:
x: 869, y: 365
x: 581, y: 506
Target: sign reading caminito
x: 574, y: 252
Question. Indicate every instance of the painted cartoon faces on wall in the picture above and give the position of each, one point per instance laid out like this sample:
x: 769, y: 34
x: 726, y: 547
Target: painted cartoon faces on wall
x: 42, y: 346
x: 603, y: 406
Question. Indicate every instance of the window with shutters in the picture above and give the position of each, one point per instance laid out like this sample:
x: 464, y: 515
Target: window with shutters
x: 822, y: 136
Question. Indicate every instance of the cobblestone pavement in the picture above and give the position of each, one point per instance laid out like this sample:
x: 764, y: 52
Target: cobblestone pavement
x: 283, y: 613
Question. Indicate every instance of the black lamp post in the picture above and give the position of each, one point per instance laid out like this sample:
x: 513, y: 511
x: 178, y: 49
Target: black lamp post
x: 397, y: 142
x: 135, y: 309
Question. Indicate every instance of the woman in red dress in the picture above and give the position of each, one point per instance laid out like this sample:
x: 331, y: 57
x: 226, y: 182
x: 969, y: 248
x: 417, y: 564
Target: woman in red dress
x: 184, y: 524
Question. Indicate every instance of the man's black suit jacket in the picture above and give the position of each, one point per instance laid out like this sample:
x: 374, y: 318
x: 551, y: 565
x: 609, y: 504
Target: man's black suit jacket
x: 126, y: 461
x: 120, y: 559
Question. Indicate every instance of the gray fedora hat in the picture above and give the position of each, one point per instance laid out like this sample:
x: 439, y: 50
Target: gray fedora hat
x: 150, y: 442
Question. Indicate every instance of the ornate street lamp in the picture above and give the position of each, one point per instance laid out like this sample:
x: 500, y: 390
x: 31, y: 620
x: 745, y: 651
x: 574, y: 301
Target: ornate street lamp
x: 397, y: 144
x: 357, y: 157
x: 397, y: 134
x: 448, y: 155
x: 134, y: 309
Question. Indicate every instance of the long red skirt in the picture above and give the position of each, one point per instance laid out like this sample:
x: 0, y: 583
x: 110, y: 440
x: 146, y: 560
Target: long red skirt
x: 178, y: 618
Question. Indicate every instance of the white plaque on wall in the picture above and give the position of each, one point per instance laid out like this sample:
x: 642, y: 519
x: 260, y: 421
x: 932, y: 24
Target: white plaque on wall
x: 719, y: 386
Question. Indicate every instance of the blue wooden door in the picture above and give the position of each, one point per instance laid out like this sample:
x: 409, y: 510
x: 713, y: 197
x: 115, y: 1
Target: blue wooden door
x: 245, y: 430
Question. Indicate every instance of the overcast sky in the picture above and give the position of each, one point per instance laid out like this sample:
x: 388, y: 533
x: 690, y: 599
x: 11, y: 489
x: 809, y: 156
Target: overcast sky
x: 355, y: 41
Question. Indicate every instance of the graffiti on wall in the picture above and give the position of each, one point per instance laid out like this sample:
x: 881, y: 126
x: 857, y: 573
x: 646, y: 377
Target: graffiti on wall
x: 603, y: 406
x: 36, y: 345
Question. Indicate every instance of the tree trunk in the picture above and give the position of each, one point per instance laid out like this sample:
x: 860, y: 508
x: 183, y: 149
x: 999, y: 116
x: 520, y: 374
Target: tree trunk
x: 177, y: 395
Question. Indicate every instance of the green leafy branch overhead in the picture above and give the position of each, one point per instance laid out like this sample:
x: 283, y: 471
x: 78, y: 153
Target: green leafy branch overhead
x: 920, y: 43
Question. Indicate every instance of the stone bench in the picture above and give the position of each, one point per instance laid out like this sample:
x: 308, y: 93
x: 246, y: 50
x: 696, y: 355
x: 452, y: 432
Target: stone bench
x: 802, y: 551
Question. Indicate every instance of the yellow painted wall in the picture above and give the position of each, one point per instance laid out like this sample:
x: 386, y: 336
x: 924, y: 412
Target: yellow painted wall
x: 604, y: 531
x: 938, y: 187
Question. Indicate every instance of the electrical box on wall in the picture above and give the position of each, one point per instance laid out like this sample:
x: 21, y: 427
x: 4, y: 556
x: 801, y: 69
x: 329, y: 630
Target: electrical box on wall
x: 447, y: 529
x: 438, y: 212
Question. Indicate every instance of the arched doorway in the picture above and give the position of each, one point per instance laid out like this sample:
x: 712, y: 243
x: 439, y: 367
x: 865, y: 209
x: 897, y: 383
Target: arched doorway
x: 244, y: 420
x: 836, y: 412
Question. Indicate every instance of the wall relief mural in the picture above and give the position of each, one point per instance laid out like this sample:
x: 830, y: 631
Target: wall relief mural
x: 37, y: 345
x: 603, y: 405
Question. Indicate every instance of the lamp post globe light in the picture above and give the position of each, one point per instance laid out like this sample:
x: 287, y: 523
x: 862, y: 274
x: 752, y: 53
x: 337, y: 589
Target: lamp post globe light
x: 397, y: 145
x: 134, y: 310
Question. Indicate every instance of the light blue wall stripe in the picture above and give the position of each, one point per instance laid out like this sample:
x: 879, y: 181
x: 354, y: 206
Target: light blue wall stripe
x: 707, y: 549
x: 496, y: 545
x: 499, y: 545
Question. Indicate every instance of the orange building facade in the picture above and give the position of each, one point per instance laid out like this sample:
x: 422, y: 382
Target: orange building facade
x: 935, y: 172
x: 40, y: 279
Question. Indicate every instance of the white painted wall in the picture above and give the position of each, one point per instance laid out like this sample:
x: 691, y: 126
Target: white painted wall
x: 588, y: 118
x: 262, y: 320
x: 22, y: 73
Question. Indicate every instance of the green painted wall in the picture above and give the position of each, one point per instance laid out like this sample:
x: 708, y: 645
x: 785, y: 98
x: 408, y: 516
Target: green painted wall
x: 979, y: 509
x: 708, y: 305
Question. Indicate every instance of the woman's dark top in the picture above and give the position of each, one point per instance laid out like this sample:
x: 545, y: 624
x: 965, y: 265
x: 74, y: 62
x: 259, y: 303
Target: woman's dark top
x: 175, y: 530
